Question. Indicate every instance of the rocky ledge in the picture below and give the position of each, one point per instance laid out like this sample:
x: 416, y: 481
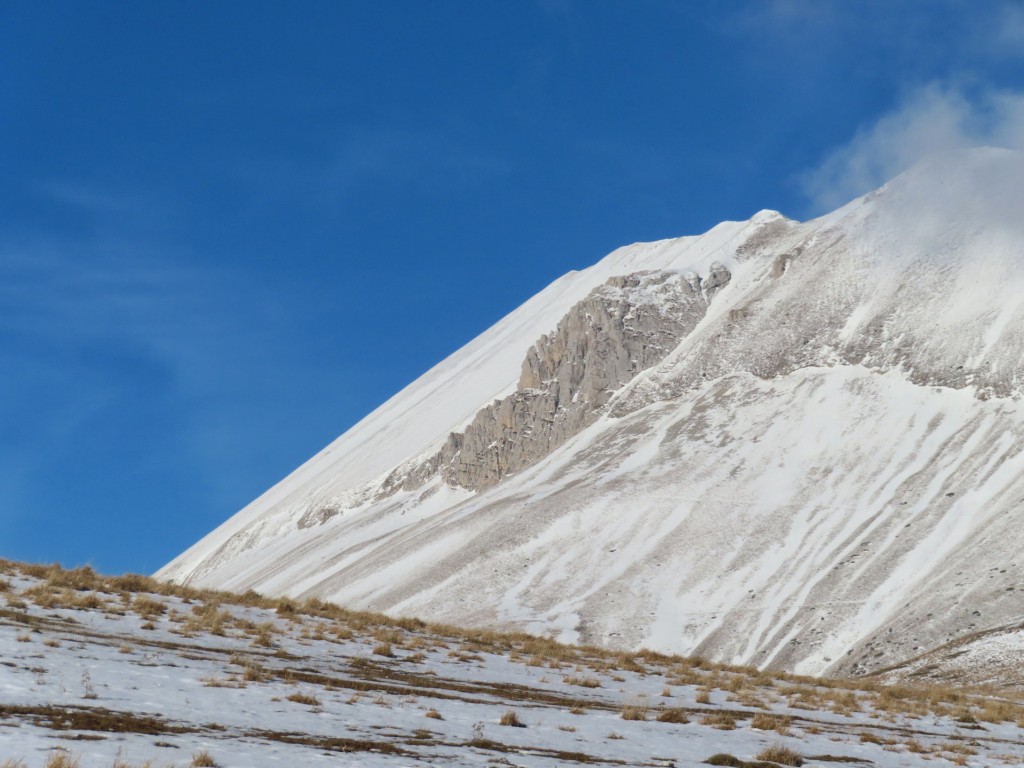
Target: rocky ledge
x: 568, y: 377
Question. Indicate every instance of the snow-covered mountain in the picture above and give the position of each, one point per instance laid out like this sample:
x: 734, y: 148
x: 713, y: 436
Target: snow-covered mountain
x: 789, y: 444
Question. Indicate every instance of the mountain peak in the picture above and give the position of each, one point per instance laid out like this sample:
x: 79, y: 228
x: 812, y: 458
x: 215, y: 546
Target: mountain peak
x: 770, y: 444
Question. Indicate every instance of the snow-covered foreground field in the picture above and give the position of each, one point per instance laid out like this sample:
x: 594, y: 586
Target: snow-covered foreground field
x: 126, y: 672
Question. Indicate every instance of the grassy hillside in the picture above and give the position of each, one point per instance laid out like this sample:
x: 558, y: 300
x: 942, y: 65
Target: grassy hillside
x: 126, y: 671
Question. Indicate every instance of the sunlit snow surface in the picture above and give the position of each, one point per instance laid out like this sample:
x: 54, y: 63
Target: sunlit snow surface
x: 826, y: 475
x: 99, y: 684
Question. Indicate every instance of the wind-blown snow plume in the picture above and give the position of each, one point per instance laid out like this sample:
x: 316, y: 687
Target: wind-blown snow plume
x: 936, y: 118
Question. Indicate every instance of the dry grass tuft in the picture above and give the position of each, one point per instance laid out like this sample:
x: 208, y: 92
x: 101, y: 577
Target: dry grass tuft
x: 720, y: 720
x: 634, y: 712
x: 252, y: 672
x: 203, y: 759
x: 433, y: 714
x: 303, y: 698
x: 147, y: 607
x: 264, y: 635
x: 915, y: 746
x: 388, y: 636
x: 512, y: 719
x: 61, y: 759
x: 673, y: 716
x: 723, y: 758
x: 777, y: 723
x: 220, y: 682
x: 384, y: 649
x: 776, y: 753
x: 583, y: 682
x: 626, y: 662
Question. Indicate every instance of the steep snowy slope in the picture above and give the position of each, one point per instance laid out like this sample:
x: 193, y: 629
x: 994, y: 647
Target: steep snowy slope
x: 796, y: 445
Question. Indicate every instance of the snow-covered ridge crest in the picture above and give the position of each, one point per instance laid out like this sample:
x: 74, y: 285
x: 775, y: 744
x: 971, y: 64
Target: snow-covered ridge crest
x: 809, y: 478
x: 417, y: 421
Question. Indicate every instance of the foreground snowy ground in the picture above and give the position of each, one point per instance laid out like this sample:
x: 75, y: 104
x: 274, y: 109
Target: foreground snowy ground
x: 126, y: 671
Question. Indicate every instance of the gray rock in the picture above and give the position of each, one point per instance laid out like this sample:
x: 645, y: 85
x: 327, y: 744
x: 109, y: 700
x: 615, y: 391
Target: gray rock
x: 568, y: 377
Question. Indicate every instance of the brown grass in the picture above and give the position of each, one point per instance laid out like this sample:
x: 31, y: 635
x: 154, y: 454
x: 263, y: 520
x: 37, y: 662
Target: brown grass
x: 511, y: 718
x: 583, y: 682
x: 388, y: 636
x: 147, y: 607
x: 634, y: 712
x: 722, y: 758
x: 61, y: 759
x: 221, y: 682
x: 777, y: 723
x: 203, y: 759
x: 264, y: 635
x: 777, y: 753
x: 83, y: 588
x: 303, y: 698
x: 720, y: 720
x: 673, y: 716
x: 384, y: 649
x: 252, y: 672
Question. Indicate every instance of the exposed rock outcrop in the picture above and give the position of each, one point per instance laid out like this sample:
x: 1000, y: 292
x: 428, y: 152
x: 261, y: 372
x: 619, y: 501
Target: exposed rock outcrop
x: 623, y: 327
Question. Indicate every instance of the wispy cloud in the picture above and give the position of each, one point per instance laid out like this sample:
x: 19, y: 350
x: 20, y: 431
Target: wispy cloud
x: 935, y: 118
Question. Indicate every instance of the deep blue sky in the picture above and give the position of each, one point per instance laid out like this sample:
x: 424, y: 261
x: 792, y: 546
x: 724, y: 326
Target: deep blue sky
x: 228, y: 230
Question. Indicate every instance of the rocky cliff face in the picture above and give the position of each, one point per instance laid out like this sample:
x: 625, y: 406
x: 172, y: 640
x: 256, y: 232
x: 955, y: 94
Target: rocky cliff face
x: 568, y: 377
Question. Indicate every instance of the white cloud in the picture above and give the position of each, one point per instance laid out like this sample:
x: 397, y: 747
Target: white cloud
x: 935, y: 118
